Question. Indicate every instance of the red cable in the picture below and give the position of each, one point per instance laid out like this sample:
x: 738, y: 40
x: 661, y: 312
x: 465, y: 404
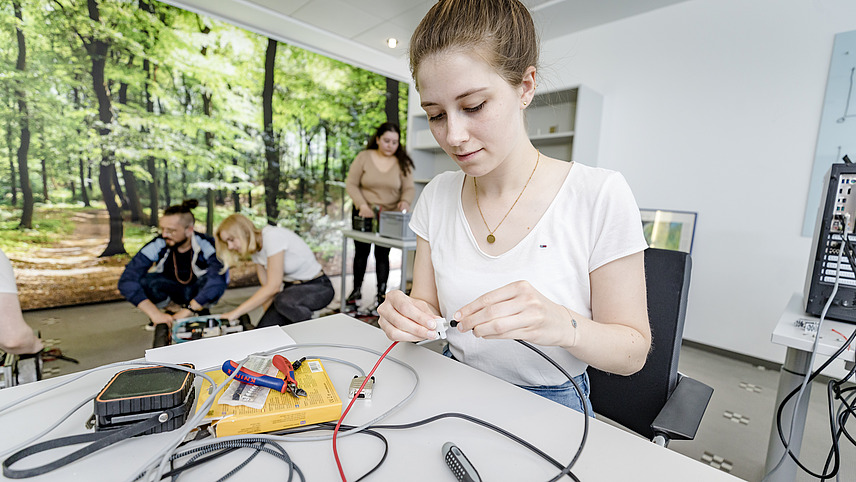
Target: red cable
x: 356, y: 395
x: 842, y: 336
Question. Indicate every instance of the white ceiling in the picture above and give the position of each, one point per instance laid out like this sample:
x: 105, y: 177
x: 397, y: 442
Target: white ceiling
x: 355, y: 31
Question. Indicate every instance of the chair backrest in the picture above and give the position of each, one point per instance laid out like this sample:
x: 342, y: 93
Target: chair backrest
x: 634, y: 401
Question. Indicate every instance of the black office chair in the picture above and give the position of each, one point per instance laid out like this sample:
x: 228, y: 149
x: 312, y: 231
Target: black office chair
x: 657, y: 402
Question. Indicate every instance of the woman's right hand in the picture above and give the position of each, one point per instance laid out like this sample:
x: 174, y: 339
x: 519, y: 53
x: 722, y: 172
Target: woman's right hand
x: 403, y: 318
x: 366, y: 211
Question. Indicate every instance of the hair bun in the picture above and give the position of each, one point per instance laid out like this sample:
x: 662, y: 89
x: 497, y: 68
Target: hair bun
x: 190, y: 203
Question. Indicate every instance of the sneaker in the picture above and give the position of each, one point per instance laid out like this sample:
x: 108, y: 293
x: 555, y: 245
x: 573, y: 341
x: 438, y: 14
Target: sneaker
x: 352, y: 300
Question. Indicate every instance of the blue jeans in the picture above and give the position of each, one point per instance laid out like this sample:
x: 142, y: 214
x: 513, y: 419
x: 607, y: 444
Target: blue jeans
x: 161, y: 290
x: 564, y: 394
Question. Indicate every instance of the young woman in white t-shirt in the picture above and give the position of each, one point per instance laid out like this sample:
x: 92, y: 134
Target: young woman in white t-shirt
x: 293, y: 285
x: 515, y: 245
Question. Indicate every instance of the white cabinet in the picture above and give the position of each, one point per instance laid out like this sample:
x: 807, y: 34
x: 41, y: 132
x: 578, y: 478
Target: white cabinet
x: 564, y: 124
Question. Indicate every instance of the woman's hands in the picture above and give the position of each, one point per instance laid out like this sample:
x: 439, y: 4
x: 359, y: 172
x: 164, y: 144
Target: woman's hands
x: 403, y: 318
x: 229, y: 315
x: 518, y: 311
x: 366, y: 211
x: 514, y: 311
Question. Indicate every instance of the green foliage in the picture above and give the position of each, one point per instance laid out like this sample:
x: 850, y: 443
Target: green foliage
x: 51, y: 223
x: 186, y: 95
x: 136, y: 236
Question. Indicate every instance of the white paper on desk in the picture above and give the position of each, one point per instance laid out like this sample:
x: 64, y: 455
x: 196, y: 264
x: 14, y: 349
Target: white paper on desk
x: 210, y: 353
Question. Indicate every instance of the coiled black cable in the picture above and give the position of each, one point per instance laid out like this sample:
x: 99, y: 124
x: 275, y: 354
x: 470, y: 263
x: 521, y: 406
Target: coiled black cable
x: 835, y: 452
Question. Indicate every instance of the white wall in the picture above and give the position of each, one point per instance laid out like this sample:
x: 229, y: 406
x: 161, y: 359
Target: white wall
x: 713, y: 106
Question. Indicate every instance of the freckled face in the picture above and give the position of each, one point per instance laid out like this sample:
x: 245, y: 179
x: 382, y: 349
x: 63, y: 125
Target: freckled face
x: 387, y: 143
x: 473, y: 113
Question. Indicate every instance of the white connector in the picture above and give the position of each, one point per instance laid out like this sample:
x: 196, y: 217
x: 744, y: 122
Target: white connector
x: 442, y: 326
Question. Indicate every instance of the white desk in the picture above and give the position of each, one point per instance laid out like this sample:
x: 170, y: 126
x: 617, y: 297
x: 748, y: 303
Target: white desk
x: 404, y: 246
x: 414, y: 454
x: 799, y: 344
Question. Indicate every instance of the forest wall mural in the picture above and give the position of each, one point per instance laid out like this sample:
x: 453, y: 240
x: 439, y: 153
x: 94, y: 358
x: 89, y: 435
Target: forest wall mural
x: 112, y: 110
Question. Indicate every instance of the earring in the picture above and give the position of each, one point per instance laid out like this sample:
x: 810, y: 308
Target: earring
x: 524, y: 104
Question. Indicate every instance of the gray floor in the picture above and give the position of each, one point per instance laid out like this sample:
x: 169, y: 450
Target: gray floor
x: 733, y: 435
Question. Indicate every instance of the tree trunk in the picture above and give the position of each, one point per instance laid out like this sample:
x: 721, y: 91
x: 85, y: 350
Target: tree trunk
x: 97, y: 50
x: 45, y: 194
x: 272, y: 172
x: 167, y: 200
x: 13, y: 182
x: 84, y: 181
x: 84, y: 193
x: 236, y: 197
x: 391, y: 106
x: 209, y: 214
x: 153, y: 192
x: 123, y: 200
x: 325, y: 190
x: 24, y: 122
x: 133, y: 193
x: 209, y: 142
x: 184, y: 182
x: 150, y: 108
x: 302, y: 173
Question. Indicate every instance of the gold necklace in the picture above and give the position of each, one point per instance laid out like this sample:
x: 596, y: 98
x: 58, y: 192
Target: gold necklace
x: 175, y: 269
x: 490, y: 237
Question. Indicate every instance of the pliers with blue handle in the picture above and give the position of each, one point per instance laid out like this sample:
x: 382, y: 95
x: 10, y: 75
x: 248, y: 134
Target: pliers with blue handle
x: 246, y: 375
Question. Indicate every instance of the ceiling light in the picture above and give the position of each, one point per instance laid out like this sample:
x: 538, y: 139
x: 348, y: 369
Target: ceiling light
x: 391, y: 42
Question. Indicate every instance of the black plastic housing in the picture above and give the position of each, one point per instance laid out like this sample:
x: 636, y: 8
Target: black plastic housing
x: 139, y: 393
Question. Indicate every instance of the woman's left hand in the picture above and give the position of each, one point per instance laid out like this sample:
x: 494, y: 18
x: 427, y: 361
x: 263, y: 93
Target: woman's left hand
x: 403, y: 206
x: 230, y: 315
x: 517, y: 311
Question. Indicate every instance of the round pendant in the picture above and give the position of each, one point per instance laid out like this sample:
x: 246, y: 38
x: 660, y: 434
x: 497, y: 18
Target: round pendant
x: 490, y: 238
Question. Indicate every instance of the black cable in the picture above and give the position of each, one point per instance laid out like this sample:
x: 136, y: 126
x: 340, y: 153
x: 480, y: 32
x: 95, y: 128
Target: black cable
x: 243, y: 464
x: 332, y: 426
x: 259, y: 445
x: 834, y: 450
x: 566, y: 470
x: 204, y: 457
x: 781, y: 407
x: 218, y: 450
x: 835, y: 392
x: 477, y: 421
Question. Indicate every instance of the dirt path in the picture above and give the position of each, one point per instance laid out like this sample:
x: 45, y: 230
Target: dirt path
x: 70, y: 271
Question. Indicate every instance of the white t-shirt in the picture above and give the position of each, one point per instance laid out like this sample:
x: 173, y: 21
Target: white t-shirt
x: 593, y: 220
x: 7, y: 275
x: 299, y: 263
